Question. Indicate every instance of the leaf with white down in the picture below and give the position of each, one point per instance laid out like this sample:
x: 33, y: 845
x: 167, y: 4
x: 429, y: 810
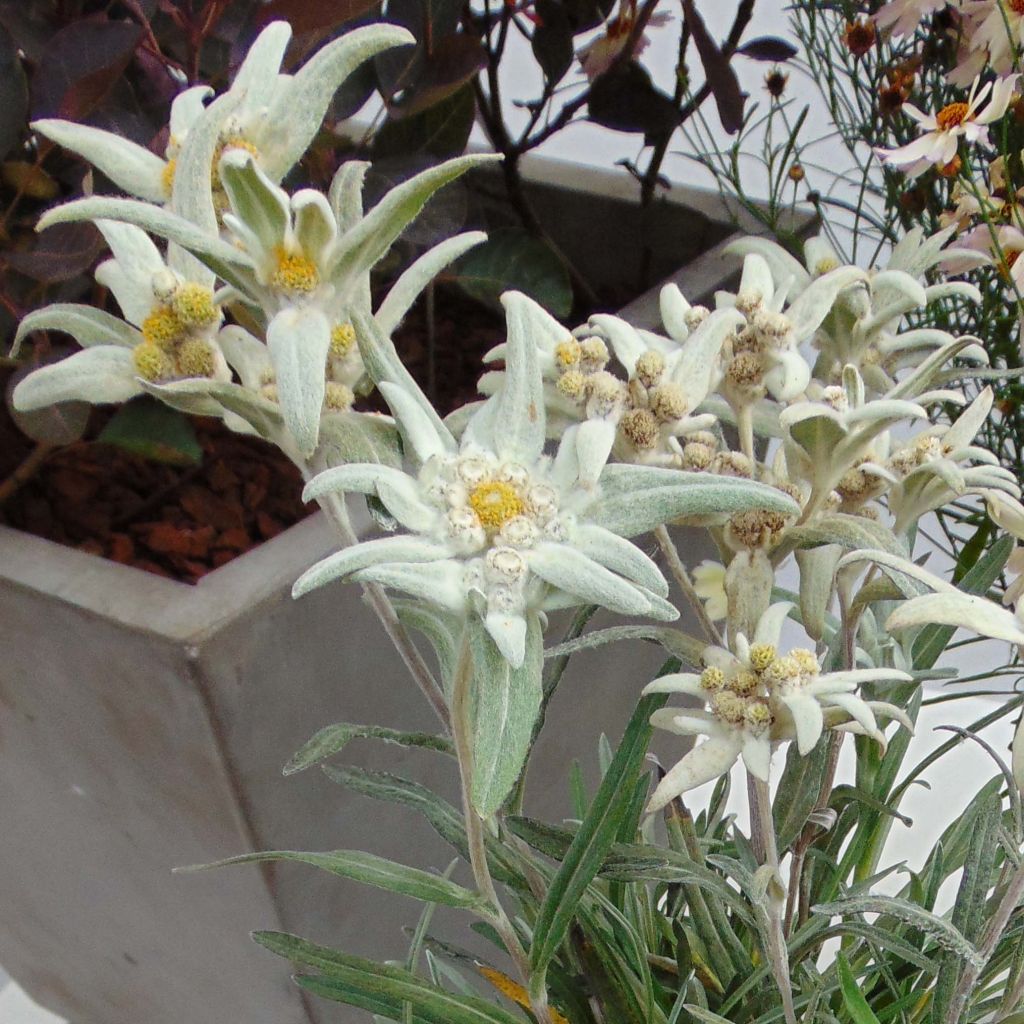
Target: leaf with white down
x: 506, y: 707
x: 299, y: 109
x: 366, y: 242
x: 346, y: 193
x: 298, y: 341
x: 87, y: 325
x: 384, y: 366
x: 440, y: 583
x: 418, y: 431
x: 257, y: 202
x: 396, y: 490
x: 815, y: 302
x: 220, y: 256
x: 572, y: 571
x: 620, y: 556
x: 707, y: 499
x: 419, y: 274
x: 256, y: 79
x: 315, y: 226
x: 967, y: 611
x: 781, y: 263
x: 371, y: 552
x: 101, y: 375
x: 128, y: 165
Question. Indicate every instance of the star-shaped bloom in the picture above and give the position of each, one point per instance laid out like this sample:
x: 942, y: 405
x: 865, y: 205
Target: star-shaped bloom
x: 170, y: 330
x: 757, y: 698
x: 943, y: 130
x: 271, y: 115
x: 500, y: 530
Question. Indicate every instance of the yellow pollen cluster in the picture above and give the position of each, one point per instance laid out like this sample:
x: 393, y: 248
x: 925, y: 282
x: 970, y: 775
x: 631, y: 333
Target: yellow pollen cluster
x: 196, y: 358
x: 712, y: 679
x: 343, y: 337
x: 640, y: 428
x: 152, y: 363
x: 193, y: 306
x: 167, y: 177
x: 162, y: 327
x: 338, y: 397
x: 757, y: 715
x: 495, y: 502
x: 231, y: 142
x: 806, y: 660
x: 572, y: 384
x: 567, y: 354
x: 649, y: 367
x: 951, y: 116
x: 761, y: 656
x: 783, y: 670
x: 728, y: 706
x: 295, y: 272
x: 744, y: 683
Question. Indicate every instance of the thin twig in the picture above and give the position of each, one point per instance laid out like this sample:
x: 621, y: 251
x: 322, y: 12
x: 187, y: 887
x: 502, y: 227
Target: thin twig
x: 682, y: 577
x: 25, y: 470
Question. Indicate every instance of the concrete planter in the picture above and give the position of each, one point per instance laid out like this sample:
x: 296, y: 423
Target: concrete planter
x: 143, y: 724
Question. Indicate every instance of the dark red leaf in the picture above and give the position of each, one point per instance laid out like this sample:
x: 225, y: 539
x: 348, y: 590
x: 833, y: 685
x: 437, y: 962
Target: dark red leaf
x: 721, y: 78
x: 769, y: 48
x: 82, y: 61
x: 625, y: 100
x: 59, y: 254
x: 552, y: 40
x: 453, y: 62
x: 304, y: 16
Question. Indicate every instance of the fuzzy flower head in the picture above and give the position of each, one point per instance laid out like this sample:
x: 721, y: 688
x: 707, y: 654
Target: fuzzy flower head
x: 170, y: 331
x: 757, y: 697
x: 943, y: 130
x: 496, y: 528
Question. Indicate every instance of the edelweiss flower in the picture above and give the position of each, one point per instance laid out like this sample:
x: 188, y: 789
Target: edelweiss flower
x: 930, y: 467
x: 268, y: 114
x: 757, y: 697
x: 169, y: 331
x: 498, y: 528
x: 943, y: 130
x: 502, y: 531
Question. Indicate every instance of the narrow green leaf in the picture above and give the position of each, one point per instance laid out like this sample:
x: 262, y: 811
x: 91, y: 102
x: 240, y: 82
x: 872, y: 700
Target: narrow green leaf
x: 368, y: 869
x: 592, y: 842
x: 332, y: 739
x: 389, y: 986
x: 798, y: 791
x: 506, y: 705
x: 853, y: 998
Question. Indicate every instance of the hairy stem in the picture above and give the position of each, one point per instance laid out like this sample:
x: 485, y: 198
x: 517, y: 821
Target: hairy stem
x: 682, y: 577
x: 334, y: 506
x: 763, y: 833
x: 462, y: 735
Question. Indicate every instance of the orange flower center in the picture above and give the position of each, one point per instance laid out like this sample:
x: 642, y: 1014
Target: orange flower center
x: 1017, y: 6
x: 951, y: 116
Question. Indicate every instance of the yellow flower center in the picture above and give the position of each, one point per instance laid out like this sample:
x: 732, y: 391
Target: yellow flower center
x: 951, y: 116
x: 567, y: 353
x: 295, y: 272
x: 152, y: 363
x: 196, y: 358
x: 495, y: 502
x: 343, y: 337
x: 230, y: 142
x: 162, y: 327
x: 338, y: 397
x: 761, y: 656
x: 193, y: 306
x: 167, y: 177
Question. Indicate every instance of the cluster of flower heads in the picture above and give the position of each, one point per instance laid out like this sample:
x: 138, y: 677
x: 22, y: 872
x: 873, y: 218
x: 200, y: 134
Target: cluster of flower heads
x: 792, y: 415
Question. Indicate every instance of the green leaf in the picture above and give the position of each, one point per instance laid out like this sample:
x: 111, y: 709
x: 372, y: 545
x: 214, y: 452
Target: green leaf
x: 853, y: 998
x: 146, y: 427
x: 506, y: 705
x: 513, y: 259
x: 443, y: 818
x: 339, y: 992
x: 852, y: 532
x: 798, y: 791
x: 596, y: 835
x: 384, y: 984
x: 88, y: 326
x: 552, y: 40
x: 686, y: 648
x: 333, y: 739
x: 370, y: 870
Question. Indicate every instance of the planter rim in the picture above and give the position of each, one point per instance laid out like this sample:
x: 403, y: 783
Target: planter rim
x: 184, y: 612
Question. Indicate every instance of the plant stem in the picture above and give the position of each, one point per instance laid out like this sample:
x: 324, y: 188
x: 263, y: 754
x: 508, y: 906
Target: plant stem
x: 682, y: 577
x: 763, y: 833
x: 334, y: 506
x: 25, y: 470
x: 461, y: 734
